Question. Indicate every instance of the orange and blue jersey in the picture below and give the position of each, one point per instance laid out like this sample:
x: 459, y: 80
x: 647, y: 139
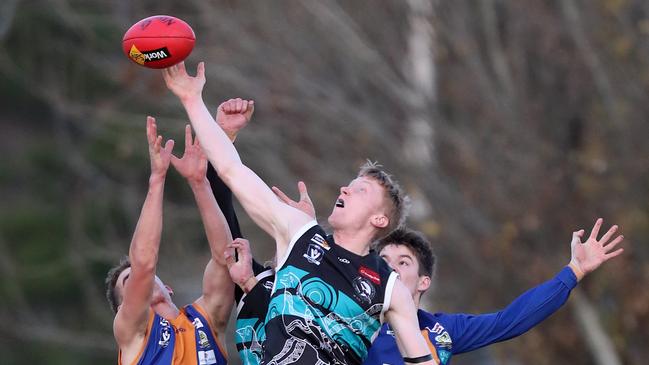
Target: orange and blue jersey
x: 187, y: 339
x: 452, y: 334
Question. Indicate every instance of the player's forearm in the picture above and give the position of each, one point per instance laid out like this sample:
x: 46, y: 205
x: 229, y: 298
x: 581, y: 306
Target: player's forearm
x: 223, y: 196
x: 402, y: 317
x: 216, y: 229
x: 215, y: 143
x: 412, y: 345
x: 143, y: 251
x: 525, y: 312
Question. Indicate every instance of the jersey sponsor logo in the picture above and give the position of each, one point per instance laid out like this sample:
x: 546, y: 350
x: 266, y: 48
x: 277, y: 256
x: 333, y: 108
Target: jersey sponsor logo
x: 444, y: 340
x: 343, y: 260
x: 370, y: 274
x: 206, y: 357
x: 197, y: 323
x: 364, y: 289
x: 165, y: 333
x: 319, y: 240
x: 314, y: 254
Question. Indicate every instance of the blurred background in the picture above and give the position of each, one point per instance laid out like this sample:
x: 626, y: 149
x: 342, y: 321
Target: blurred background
x: 510, y: 123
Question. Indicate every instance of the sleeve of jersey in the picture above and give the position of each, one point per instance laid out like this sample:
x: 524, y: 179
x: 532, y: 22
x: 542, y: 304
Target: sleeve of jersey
x: 470, y: 332
x: 223, y: 196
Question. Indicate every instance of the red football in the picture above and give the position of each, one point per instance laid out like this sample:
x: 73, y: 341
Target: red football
x: 158, y: 41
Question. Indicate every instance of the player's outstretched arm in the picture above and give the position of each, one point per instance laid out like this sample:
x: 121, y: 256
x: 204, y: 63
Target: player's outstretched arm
x: 402, y: 317
x: 231, y: 125
x: 131, y: 319
x: 218, y: 295
x: 535, y: 305
x: 277, y: 219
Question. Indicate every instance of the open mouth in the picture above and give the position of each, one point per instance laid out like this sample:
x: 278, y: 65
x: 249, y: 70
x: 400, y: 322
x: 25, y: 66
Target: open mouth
x: 340, y: 203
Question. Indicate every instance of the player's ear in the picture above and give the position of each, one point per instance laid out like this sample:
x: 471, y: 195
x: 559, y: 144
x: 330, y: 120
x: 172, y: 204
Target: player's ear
x: 380, y: 221
x: 423, y: 283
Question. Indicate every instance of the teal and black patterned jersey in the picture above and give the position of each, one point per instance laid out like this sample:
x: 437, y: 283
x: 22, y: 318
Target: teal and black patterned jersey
x: 327, y: 303
x: 251, y: 314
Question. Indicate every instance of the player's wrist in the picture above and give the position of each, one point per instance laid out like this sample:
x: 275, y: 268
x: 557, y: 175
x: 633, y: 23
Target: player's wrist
x: 157, y: 179
x: 576, y: 269
x: 232, y: 134
x: 247, y: 285
x: 198, y: 183
x: 191, y: 99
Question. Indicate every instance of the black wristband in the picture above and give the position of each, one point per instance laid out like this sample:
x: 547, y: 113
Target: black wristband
x: 417, y: 360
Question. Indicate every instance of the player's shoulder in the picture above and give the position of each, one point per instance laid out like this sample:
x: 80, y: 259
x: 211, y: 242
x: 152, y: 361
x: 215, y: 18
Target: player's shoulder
x: 430, y: 319
x: 310, y: 232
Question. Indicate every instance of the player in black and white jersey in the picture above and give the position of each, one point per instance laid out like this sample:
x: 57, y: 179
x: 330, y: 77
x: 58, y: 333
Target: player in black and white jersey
x: 314, y: 318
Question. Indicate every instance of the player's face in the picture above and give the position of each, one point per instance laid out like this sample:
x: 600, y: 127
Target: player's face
x: 402, y: 260
x: 358, y: 204
x: 161, y: 292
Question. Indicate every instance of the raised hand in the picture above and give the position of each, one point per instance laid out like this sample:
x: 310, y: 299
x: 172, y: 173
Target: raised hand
x: 240, y: 271
x: 588, y: 256
x: 159, y: 156
x: 233, y: 115
x: 185, y: 87
x: 304, y: 204
x: 193, y: 164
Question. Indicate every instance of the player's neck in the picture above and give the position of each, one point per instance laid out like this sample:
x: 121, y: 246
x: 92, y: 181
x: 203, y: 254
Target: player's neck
x: 356, y: 242
x: 417, y: 300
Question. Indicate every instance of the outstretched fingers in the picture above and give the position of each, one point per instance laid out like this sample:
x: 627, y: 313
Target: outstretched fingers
x: 180, y: 68
x: 283, y: 197
x: 607, y: 236
x: 188, y: 137
x: 157, y: 144
x: 200, y: 70
x: 615, y: 253
x: 595, y: 231
x: 169, y: 145
x: 615, y: 242
x: 151, y: 130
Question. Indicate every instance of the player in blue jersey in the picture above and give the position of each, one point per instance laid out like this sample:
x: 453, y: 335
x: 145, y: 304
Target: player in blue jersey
x: 148, y: 327
x: 410, y: 254
x: 331, y: 293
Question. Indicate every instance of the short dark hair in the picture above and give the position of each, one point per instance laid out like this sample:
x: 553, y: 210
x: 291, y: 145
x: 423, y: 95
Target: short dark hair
x: 399, y: 201
x: 417, y: 243
x: 111, y: 281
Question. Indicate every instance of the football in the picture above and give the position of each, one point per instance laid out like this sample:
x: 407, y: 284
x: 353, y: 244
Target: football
x: 158, y: 41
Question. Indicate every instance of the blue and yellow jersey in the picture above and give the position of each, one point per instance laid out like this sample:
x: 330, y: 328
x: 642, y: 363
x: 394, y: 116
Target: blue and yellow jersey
x: 188, y: 340
x: 452, y: 334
